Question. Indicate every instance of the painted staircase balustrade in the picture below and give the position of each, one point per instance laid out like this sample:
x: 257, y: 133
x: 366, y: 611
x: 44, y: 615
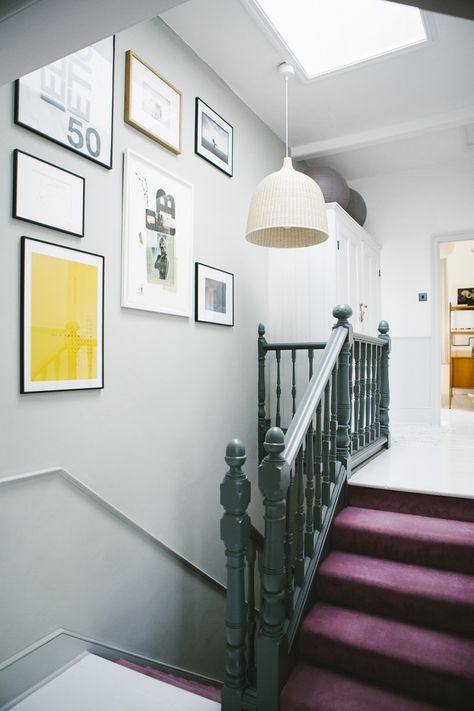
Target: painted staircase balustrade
x: 340, y: 421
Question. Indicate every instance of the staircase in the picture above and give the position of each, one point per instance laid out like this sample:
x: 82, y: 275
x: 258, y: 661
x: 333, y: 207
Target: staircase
x: 393, y: 622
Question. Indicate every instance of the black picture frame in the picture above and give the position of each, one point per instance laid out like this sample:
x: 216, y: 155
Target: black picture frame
x: 466, y: 296
x: 218, y: 316
x: 221, y: 159
x: 69, y: 144
x: 24, y: 382
x: 17, y: 188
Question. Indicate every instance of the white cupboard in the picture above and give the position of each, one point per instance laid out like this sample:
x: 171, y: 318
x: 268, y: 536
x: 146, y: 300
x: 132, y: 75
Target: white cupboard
x: 306, y: 284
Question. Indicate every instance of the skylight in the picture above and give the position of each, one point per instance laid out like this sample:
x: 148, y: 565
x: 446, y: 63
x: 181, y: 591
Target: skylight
x: 326, y: 35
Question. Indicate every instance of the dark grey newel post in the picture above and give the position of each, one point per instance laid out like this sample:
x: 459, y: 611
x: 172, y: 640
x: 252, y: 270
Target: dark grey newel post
x: 384, y: 382
x: 235, y: 531
x: 343, y: 312
x: 272, y: 643
x: 262, y: 420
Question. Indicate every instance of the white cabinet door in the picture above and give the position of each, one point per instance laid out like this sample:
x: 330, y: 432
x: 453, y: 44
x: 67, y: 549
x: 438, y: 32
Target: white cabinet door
x: 348, y: 271
x: 369, y: 293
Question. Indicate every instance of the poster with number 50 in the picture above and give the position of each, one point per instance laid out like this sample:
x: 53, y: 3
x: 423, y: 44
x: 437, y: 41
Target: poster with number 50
x: 71, y: 101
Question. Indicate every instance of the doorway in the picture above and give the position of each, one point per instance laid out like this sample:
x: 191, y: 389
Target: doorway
x: 456, y: 327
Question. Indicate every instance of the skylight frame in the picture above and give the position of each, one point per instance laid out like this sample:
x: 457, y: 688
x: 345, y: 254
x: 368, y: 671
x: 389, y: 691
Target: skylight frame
x: 288, y: 54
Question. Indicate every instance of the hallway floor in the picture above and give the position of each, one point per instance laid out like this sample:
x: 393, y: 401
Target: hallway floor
x: 436, y: 460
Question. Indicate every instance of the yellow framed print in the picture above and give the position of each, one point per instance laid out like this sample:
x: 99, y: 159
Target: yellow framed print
x: 62, y: 318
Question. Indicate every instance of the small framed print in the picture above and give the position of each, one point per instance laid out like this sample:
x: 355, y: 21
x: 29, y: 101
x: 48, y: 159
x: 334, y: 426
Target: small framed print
x: 71, y: 101
x: 214, y: 298
x: 62, y: 318
x: 47, y: 195
x: 466, y: 296
x: 214, y: 138
x: 152, y: 103
x: 157, y: 245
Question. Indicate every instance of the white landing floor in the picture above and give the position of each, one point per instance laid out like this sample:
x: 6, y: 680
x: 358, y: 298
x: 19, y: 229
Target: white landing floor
x: 436, y: 460
x: 95, y: 684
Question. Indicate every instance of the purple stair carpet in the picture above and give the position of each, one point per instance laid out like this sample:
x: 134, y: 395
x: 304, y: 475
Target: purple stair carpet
x: 195, y: 687
x: 393, y: 623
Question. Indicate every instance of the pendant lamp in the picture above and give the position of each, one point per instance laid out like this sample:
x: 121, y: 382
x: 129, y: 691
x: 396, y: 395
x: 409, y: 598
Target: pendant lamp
x: 287, y: 208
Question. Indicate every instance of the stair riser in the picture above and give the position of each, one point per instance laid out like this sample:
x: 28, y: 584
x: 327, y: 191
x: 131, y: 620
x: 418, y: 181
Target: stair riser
x: 445, y: 556
x: 452, y: 616
x: 401, y: 676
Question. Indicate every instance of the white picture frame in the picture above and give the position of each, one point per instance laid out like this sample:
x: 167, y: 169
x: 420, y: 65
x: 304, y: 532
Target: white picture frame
x: 157, y: 243
x: 47, y: 195
x: 70, y: 101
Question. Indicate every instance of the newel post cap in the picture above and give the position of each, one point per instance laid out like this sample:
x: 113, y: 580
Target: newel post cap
x: 384, y: 327
x: 342, y: 312
x: 235, y: 453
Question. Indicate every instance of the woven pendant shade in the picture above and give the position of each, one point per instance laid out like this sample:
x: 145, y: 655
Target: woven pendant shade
x: 287, y: 210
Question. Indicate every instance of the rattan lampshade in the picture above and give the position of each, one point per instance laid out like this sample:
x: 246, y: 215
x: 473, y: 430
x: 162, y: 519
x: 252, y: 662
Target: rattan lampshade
x: 287, y: 210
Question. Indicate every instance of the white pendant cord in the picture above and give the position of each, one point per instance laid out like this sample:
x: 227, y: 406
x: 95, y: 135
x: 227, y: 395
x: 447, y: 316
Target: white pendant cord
x: 286, y: 114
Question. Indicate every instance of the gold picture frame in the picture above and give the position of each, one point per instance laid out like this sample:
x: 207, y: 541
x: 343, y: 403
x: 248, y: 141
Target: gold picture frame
x: 153, y: 105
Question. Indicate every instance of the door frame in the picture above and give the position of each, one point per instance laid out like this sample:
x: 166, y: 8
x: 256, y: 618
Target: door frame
x: 437, y: 240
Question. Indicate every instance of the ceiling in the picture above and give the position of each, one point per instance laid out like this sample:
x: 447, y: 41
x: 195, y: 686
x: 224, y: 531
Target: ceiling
x: 407, y: 109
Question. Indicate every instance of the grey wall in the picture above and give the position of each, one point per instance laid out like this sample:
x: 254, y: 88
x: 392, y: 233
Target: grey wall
x: 152, y: 442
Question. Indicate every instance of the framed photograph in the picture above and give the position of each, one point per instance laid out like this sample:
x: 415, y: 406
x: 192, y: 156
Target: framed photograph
x: 466, y: 296
x: 214, y: 138
x: 71, y: 101
x: 152, y: 103
x: 214, y: 297
x: 157, y: 247
x: 47, y: 195
x: 62, y: 318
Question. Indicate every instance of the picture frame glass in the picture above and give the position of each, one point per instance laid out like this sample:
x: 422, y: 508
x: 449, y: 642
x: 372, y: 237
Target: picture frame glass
x: 47, y: 195
x: 70, y: 101
x: 214, y: 139
x: 153, y: 105
x: 214, y: 295
x: 62, y: 318
x: 157, y: 238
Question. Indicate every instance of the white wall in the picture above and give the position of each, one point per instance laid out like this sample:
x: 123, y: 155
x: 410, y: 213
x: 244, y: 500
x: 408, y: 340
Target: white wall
x: 404, y: 212
x: 153, y: 441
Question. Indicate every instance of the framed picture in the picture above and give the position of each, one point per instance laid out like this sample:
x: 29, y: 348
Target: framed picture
x: 62, y: 318
x: 47, y: 195
x: 466, y: 296
x: 71, y: 101
x: 157, y: 238
x: 152, y: 103
x: 214, y: 138
x: 214, y: 297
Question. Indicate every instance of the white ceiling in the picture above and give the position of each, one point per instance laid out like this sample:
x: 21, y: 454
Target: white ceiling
x: 405, y: 109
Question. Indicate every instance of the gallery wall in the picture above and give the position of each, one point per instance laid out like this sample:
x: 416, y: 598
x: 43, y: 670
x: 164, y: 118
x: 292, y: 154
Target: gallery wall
x: 152, y: 441
x: 405, y: 211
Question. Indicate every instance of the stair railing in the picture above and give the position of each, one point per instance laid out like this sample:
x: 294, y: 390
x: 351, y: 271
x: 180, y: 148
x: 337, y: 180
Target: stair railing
x: 341, y: 420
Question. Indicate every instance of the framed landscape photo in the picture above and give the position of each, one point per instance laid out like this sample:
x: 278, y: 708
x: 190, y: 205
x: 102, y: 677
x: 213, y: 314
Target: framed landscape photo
x: 214, y: 138
x: 214, y: 295
x: 47, y: 195
x: 71, y: 101
x: 62, y: 318
x: 157, y: 248
x: 152, y: 103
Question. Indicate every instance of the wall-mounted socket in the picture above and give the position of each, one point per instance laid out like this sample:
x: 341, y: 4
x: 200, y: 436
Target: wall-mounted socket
x: 422, y: 296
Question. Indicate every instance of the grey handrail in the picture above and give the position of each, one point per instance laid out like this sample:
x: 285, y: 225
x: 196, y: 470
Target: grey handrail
x: 371, y: 340
x: 304, y: 346
x: 305, y: 410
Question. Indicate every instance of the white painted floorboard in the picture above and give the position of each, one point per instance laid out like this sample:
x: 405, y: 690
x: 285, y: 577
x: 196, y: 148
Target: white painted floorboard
x: 435, y: 460
x: 95, y: 684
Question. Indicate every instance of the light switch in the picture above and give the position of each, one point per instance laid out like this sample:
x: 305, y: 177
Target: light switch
x: 422, y: 296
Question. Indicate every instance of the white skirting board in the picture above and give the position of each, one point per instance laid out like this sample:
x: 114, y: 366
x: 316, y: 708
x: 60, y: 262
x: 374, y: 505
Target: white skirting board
x: 96, y: 683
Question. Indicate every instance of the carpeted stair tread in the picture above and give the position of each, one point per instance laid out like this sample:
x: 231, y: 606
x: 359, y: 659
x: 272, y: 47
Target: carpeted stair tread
x: 427, y: 596
x: 420, y: 504
x: 195, y: 687
x: 434, y: 542
x: 312, y: 688
x: 415, y: 660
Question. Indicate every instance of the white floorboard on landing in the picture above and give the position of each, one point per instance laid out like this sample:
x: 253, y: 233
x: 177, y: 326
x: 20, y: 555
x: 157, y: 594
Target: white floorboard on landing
x: 95, y: 684
x: 435, y: 460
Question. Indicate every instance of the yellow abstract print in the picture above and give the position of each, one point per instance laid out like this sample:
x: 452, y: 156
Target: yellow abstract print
x: 64, y: 328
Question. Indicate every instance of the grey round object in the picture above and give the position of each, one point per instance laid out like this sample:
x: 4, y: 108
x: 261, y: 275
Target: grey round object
x: 332, y: 184
x: 357, y: 207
